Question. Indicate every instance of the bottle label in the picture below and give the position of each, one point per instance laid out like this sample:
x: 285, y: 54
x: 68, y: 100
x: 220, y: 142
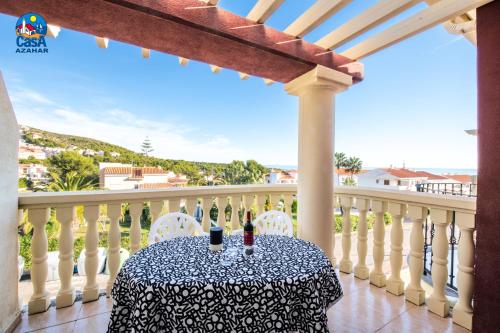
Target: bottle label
x: 248, y: 238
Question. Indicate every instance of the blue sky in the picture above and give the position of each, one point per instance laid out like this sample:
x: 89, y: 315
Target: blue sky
x: 414, y: 104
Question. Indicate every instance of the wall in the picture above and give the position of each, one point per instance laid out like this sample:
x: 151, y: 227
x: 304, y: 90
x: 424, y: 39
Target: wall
x: 487, y: 292
x: 9, y: 139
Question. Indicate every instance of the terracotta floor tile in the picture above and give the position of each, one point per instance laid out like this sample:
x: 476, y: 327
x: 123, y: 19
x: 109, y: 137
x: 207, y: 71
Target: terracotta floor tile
x: 64, y: 328
x: 102, y: 305
x: 94, y: 324
x: 49, y: 318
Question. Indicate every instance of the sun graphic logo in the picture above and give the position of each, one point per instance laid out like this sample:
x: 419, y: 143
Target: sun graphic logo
x: 31, y: 29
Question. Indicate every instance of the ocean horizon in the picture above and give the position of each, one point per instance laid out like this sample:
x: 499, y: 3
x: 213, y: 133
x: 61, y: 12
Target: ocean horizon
x: 438, y: 171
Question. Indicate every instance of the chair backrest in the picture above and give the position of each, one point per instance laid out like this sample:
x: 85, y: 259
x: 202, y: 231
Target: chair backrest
x: 274, y: 222
x: 173, y: 225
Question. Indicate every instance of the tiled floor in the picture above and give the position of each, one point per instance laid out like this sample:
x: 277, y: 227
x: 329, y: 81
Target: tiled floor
x: 364, y: 308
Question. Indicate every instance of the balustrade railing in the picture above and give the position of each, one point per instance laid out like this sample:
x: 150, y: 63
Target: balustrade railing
x: 416, y: 207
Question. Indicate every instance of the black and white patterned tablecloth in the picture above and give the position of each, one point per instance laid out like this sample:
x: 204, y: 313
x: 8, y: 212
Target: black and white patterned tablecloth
x: 181, y: 286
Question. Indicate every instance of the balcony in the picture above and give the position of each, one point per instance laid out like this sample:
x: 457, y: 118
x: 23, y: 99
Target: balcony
x: 380, y: 268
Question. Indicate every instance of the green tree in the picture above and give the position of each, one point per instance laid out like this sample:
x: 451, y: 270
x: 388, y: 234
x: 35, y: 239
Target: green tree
x: 353, y: 166
x: 146, y: 147
x: 71, y: 182
x: 71, y: 161
x: 340, y: 161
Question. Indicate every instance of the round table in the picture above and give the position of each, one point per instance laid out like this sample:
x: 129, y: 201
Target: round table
x: 181, y: 286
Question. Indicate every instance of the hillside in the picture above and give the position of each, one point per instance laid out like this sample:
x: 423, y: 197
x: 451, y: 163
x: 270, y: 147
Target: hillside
x: 192, y: 169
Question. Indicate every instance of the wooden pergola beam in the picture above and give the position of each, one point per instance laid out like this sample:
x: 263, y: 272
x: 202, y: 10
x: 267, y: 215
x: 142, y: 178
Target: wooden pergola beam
x: 370, y: 18
x: 263, y: 9
x: 319, y: 12
x: 188, y: 29
x: 423, y: 20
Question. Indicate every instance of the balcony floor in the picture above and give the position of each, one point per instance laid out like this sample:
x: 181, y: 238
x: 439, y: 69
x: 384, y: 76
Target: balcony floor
x: 364, y: 308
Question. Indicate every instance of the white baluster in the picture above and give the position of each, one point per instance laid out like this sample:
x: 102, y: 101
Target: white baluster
x: 345, y: 265
x: 414, y: 292
x: 248, y: 201
x: 135, y: 210
x: 377, y: 276
x: 66, y: 295
x: 39, y: 301
x: 91, y: 289
x: 261, y: 203
x: 191, y: 205
x: 395, y: 284
x: 235, y: 207
x: 438, y: 303
x: 361, y: 271
x: 114, y: 240
x: 462, y: 312
x: 221, y: 203
x: 207, y: 205
x: 288, y: 205
x: 155, y: 210
x: 174, y: 205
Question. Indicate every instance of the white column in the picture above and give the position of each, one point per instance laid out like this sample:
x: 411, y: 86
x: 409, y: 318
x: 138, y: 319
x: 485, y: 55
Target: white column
x: 40, y: 299
x: 261, y: 202
x: 221, y: 203
x: 395, y: 284
x: 345, y: 265
x: 316, y: 90
x: 91, y: 289
x: 414, y: 292
x: 66, y: 295
x: 361, y: 270
x: 438, y: 303
x: 135, y: 210
x: 114, y: 240
x: 377, y: 276
x: 462, y: 312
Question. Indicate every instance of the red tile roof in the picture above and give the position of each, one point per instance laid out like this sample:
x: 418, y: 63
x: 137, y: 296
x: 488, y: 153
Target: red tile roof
x: 344, y: 172
x: 464, y: 179
x: 403, y: 173
x: 154, y: 186
x: 128, y: 170
x: 431, y: 176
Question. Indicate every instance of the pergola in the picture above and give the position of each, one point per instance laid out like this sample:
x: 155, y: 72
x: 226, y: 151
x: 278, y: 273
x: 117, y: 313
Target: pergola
x: 315, y: 72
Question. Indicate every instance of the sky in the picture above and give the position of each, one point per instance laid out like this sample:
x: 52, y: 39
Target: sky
x: 417, y: 98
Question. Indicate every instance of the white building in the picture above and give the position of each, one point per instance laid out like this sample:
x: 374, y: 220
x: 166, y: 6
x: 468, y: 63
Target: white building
x: 341, y: 175
x: 391, y: 178
x: 32, y: 171
x: 282, y: 177
x: 34, y: 151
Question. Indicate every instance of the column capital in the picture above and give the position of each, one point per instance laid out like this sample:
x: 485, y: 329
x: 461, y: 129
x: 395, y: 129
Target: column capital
x: 320, y: 76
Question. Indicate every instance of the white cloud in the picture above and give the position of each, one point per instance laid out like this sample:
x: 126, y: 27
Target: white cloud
x: 120, y: 127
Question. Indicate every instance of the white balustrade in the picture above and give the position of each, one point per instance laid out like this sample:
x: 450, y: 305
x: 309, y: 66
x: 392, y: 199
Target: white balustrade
x: 39, y: 301
x: 395, y: 284
x: 66, y: 295
x: 462, y: 312
x: 438, y: 303
x: 361, y: 271
x: 345, y: 265
x: 414, y: 292
x: 91, y: 289
x: 416, y: 205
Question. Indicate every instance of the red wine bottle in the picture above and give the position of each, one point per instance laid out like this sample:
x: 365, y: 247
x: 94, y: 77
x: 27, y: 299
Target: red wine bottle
x: 248, y: 237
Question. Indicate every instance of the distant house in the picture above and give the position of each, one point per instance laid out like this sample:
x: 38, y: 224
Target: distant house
x: 114, y: 154
x: 32, y: 171
x: 391, y: 178
x: 341, y: 175
x: 282, y: 177
x: 462, y: 179
x: 34, y: 151
x: 117, y: 176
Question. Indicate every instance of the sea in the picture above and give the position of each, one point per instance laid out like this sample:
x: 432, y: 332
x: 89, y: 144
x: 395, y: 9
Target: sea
x: 436, y: 171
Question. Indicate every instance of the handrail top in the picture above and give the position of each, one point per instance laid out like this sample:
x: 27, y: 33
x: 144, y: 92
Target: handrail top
x: 59, y: 199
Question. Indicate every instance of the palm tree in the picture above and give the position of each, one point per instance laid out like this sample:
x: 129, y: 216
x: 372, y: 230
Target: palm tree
x: 353, y: 166
x: 72, y: 182
x: 340, y: 162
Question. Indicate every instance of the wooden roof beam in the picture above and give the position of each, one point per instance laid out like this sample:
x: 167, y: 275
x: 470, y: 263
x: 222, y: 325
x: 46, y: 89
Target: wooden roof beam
x: 423, y: 20
x: 185, y: 29
x: 319, y: 12
x: 370, y: 18
x: 263, y: 9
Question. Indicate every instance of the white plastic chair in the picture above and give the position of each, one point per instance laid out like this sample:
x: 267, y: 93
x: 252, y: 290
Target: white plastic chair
x: 173, y: 225
x: 272, y: 222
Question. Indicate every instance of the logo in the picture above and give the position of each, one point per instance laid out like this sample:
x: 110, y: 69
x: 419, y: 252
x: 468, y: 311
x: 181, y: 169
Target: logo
x: 31, y: 29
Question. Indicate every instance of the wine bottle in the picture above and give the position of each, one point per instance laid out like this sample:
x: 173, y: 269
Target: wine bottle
x: 248, y: 237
